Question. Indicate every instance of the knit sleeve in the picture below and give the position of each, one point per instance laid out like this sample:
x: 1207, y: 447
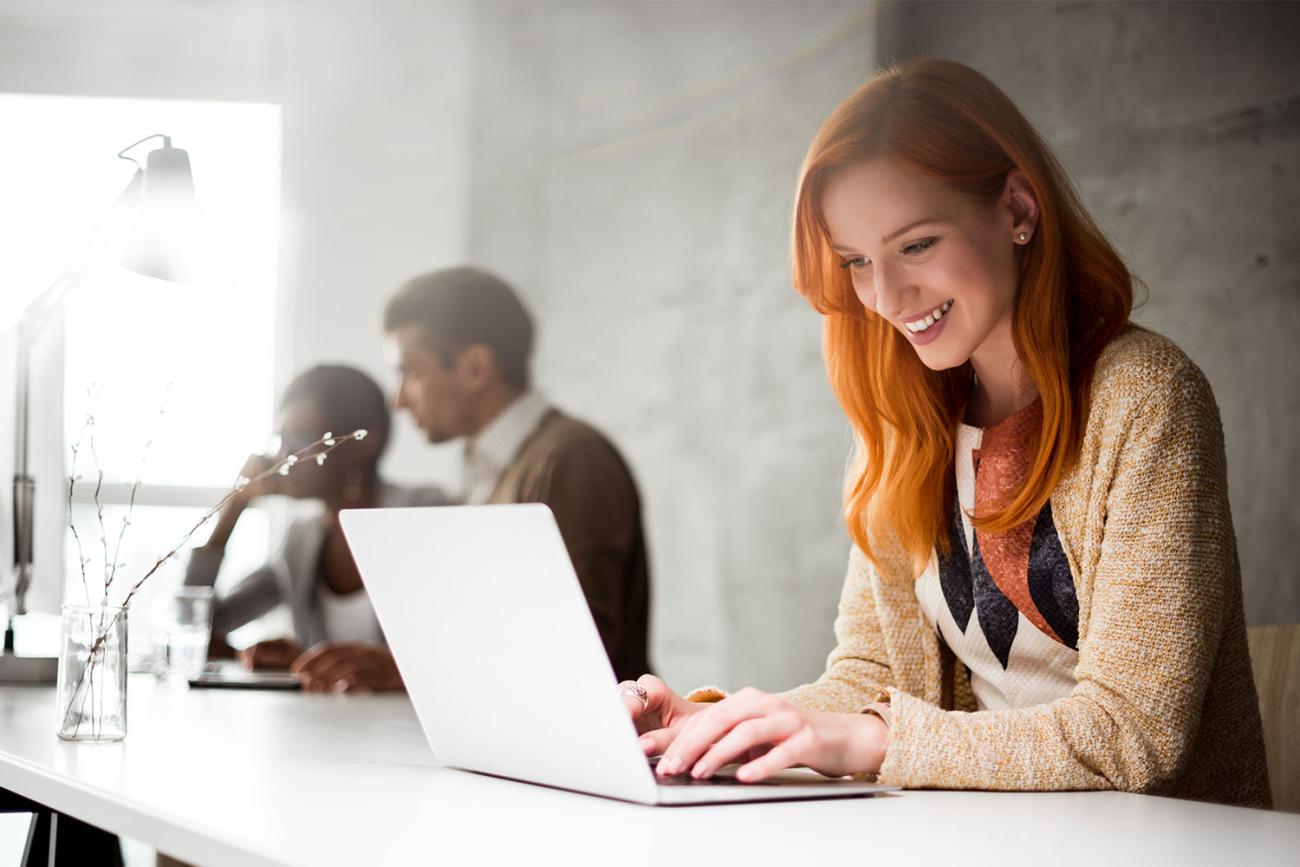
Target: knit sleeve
x: 1166, y: 556
x: 858, y: 668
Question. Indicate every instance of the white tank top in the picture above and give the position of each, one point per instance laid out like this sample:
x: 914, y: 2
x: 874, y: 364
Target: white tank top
x: 348, y: 617
x: 1005, y: 605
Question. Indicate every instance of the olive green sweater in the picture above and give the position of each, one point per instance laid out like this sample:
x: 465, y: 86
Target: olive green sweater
x: 1165, y: 702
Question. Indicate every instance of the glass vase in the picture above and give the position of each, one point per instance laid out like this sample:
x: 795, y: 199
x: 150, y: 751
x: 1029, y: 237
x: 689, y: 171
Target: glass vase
x: 92, y: 674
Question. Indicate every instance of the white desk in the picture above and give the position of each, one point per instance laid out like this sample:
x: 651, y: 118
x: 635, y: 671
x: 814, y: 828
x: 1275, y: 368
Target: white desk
x: 224, y: 777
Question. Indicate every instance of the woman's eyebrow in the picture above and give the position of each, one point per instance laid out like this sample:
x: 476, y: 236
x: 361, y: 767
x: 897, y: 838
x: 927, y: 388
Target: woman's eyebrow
x: 909, y: 227
x: 840, y: 248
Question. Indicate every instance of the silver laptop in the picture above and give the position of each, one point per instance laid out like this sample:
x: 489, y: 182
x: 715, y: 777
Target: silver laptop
x: 503, y: 663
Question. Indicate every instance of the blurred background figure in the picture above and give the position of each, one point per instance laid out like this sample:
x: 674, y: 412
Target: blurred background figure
x: 465, y: 342
x: 336, y: 642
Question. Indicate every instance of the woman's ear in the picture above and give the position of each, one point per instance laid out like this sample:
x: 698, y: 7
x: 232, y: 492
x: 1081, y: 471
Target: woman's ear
x: 1019, y: 199
x: 366, y: 452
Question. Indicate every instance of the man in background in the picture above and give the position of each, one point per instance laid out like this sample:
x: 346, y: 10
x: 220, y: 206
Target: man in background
x: 464, y: 342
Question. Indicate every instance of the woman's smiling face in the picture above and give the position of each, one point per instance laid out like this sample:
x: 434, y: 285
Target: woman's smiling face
x: 938, y: 265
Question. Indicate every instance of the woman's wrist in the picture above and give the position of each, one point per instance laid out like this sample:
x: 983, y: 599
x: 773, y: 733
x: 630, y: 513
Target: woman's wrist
x: 226, y: 521
x: 869, y: 741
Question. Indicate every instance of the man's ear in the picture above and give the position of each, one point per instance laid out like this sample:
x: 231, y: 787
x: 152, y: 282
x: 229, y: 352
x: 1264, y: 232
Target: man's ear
x: 475, y: 367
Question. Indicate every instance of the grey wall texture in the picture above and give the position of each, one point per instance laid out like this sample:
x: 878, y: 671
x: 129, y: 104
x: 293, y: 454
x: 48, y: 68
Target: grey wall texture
x: 633, y: 165
x: 1180, y: 123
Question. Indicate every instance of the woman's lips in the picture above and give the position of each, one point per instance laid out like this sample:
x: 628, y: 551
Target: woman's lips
x: 929, y: 335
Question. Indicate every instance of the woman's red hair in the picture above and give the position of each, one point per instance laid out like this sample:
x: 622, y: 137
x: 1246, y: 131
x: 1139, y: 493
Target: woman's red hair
x: 1074, y: 295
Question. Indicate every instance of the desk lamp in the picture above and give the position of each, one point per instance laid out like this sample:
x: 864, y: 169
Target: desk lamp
x: 161, y: 244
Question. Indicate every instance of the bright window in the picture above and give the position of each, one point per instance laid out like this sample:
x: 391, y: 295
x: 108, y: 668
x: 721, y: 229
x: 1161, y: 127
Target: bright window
x: 188, y: 369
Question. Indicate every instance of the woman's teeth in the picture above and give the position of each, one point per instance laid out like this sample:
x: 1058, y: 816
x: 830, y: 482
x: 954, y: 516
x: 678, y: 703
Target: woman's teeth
x: 934, y: 316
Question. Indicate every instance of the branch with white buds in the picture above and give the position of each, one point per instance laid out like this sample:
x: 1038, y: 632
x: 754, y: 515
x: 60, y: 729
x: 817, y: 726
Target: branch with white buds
x: 283, y: 467
x: 328, y: 443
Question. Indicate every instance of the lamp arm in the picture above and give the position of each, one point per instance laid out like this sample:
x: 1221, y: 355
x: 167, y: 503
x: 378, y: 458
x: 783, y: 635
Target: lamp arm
x: 34, y: 318
x: 37, y: 313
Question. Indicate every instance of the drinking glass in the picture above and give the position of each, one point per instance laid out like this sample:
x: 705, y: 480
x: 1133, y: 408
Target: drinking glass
x: 182, y: 632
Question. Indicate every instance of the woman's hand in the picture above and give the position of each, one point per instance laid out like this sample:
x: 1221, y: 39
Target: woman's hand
x: 254, y: 467
x: 239, y: 500
x: 276, y: 653
x: 661, y: 717
x: 348, y: 667
x: 769, y: 734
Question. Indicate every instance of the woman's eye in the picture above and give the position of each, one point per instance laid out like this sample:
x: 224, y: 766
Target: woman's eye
x: 855, y: 263
x: 920, y: 246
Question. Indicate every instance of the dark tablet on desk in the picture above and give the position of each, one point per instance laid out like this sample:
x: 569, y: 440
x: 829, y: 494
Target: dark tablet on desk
x: 237, y: 677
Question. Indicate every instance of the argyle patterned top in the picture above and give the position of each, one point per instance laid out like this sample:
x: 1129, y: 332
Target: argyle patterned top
x: 1004, y: 603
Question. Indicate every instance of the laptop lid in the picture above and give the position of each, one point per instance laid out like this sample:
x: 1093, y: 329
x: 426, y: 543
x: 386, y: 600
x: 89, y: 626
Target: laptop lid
x: 496, y: 645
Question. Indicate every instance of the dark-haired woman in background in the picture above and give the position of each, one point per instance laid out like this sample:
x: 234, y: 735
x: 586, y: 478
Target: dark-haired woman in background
x: 337, y: 643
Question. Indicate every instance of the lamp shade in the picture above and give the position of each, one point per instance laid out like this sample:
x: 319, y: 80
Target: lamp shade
x: 165, y: 240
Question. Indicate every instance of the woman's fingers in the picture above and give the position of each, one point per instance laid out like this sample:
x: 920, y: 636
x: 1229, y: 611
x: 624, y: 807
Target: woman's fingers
x: 659, y: 703
x: 746, y: 735
x: 639, y: 710
x: 276, y: 653
x: 632, y: 703
x: 656, y: 741
x: 335, y: 676
x: 658, y: 696
x: 780, y: 757
x: 326, y: 665
x: 702, y: 729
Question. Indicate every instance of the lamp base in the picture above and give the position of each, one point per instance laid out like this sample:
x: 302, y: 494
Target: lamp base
x: 28, y: 670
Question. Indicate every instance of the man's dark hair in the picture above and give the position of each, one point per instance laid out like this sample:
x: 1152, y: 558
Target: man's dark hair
x: 456, y: 308
x: 346, y: 399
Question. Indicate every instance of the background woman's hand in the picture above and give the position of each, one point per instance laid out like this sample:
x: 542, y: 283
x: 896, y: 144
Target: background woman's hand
x: 659, y: 721
x: 769, y: 734
x: 235, y: 505
x: 254, y: 467
x: 276, y: 653
x: 348, y: 667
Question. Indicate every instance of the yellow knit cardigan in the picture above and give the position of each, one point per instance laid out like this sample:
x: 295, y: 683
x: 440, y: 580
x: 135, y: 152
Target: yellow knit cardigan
x: 1165, y: 702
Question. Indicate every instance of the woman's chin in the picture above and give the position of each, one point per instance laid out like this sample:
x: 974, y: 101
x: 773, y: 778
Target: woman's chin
x: 939, y: 358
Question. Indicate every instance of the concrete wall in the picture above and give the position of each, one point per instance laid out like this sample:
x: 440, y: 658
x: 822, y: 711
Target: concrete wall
x: 632, y: 174
x: 633, y: 169
x: 1180, y: 123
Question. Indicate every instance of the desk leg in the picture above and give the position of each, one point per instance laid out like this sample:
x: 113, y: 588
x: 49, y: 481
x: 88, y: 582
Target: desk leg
x: 62, y: 841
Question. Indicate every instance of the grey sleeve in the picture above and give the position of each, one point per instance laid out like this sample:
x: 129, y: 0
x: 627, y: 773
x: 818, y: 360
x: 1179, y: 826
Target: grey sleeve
x: 203, y: 566
x: 248, y: 600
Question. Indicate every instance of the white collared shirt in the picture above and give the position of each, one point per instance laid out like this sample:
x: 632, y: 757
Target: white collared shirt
x: 489, y: 454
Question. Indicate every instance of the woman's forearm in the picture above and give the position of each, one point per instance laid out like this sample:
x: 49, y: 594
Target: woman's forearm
x: 226, y: 522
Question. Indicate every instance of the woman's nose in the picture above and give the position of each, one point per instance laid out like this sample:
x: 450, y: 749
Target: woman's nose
x: 892, y: 291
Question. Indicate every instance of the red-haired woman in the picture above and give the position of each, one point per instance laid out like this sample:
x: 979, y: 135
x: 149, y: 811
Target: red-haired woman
x: 1043, y: 591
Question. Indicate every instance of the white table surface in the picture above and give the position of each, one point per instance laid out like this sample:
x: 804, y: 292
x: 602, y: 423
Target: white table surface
x: 242, y: 777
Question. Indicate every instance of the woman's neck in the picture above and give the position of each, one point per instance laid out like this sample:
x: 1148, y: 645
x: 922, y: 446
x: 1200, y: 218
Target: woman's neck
x: 1001, y: 386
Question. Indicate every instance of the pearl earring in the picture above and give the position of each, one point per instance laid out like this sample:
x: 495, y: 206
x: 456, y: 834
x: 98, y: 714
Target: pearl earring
x: 1021, y: 237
